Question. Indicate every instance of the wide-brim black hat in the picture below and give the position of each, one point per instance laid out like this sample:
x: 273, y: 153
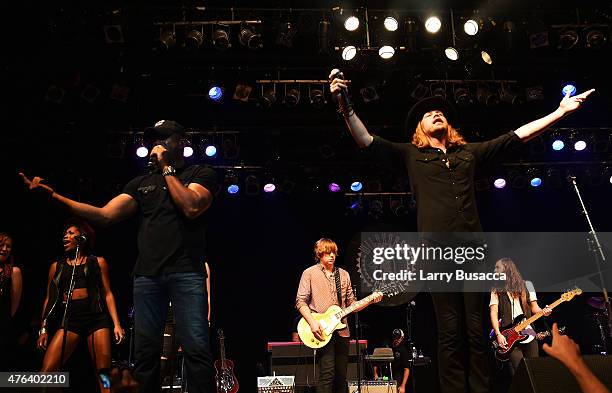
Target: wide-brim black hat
x: 415, y: 114
x: 163, y: 129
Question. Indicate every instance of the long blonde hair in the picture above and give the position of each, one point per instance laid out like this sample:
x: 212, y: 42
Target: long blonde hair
x: 453, y: 137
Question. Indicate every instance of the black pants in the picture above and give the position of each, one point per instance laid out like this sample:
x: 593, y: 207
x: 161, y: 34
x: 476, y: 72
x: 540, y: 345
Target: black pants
x: 333, y: 361
x: 461, y: 337
x: 529, y: 350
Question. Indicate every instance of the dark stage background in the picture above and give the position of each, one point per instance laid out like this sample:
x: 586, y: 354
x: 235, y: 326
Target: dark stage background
x: 259, y: 244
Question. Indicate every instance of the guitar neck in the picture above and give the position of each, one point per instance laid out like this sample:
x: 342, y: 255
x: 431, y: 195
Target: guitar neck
x: 521, y: 326
x: 222, y: 352
x: 356, y: 305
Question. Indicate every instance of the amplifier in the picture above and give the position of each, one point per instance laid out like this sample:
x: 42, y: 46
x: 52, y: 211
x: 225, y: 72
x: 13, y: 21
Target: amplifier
x: 373, y: 386
x: 275, y: 384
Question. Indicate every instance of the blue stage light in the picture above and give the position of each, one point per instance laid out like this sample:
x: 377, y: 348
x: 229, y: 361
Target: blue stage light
x: 233, y: 189
x: 215, y: 93
x: 569, y: 88
x: 210, y: 150
x: 535, y: 182
x: 356, y: 186
x: 558, y: 145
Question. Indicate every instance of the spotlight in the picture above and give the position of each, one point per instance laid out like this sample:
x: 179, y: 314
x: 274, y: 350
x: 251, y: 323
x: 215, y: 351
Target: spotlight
x: 433, y: 24
x: 486, y: 57
x: 231, y: 181
x: 167, y: 39
x: 462, y: 96
x: 210, y: 151
x: 269, y: 187
x: 249, y: 38
x: 221, y: 39
x: 233, y: 189
x: 499, y: 183
x: 333, y: 187
x: 268, y: 97
x: 317, y: 98
x: 351, y: 23
x: 580, y: 145
x: 438, y: 90
x: 558, y: 145
x: 451, y: 53
x: 242, y: 92
x: 386, y: 52
x: 286, y: 32
x: 349, y: 53
x: 194, y: 39
x: 569, y: 89
x: 187, y: 151
x: 215, y: 93
x: 369, y: 94
x: 568, y: 39
x: 356, y: 186
x: 595, y: 39
x: 292, y: 97
x: 142, y: 151
x: 578, y: 140
x: 470, y: 27
x: 391, y: 23
x: 534, y: 177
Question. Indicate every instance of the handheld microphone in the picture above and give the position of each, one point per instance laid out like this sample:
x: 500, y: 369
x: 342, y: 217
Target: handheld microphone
x: 337, y: 74
x: 81, y: 239
x: 152, y: 164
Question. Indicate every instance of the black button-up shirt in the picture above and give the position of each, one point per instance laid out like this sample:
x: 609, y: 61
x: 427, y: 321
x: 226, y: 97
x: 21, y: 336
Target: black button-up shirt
x: 443, y: 183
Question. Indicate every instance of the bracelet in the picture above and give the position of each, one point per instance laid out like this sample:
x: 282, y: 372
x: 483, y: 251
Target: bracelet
x: 346, y: 111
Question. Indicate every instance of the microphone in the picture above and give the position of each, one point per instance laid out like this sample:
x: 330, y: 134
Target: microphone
x: 81, y: 239
x: 336, y: 73
x: 152, y: 164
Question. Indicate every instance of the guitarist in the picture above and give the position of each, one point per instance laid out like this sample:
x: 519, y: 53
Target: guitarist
x: 321, y: 286
x: 515, y: 298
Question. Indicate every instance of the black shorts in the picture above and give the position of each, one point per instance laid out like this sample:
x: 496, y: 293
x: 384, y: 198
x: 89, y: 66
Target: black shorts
x: 83, y: 321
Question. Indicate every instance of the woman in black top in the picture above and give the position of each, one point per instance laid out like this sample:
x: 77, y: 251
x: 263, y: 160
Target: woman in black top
x: 10, y: 290
x: 91, y: 311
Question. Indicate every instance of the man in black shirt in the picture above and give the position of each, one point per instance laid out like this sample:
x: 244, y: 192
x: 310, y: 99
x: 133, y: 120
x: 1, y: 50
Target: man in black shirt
x: 169, y: 203
x: 401, y: 360
x: 441, y: 167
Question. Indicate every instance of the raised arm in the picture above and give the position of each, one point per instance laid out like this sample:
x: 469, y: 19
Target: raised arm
x: 568, y: 105
x: 358, y: 130
x: 117, y: 209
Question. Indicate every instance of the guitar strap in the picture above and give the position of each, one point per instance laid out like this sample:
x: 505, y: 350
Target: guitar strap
x: 338, y: 285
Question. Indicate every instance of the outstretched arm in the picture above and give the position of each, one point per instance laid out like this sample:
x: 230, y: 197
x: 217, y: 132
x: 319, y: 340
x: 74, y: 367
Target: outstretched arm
x: 117, y: 209
x: 358, y: 130
x: 568, y: 105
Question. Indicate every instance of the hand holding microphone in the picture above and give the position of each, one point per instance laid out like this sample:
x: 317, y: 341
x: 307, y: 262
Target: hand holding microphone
x: 157, y: 158
x: 339, y: 88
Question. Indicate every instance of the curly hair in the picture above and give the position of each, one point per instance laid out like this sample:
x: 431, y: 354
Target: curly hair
x: 84, y: 228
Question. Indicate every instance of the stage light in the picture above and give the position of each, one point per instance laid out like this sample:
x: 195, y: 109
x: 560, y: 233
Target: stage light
x: 438, y: 90
x: 142, y: 151
x: 578, y: 140
x: 333, y: 187
x: 268, y: 97
x: 249, y: 38
x: 398, y: 207
x: 323, y: 36
x: 462, y: 96
x: 242, y: 92
x: 167, y: 39
x: 210, y: 151
x: 351, y: 23
x: 356, y: 186
x: 558, y: 145
x: 595, y: 39
x: 187, y: 151
x: 486, y: 96
x: 221, y: 39
x: 317, y: 98
x: 568, y: 39
x: 369, y: 94
x: 233, y: 189
x: 419, y: 92
x: 433, y: 24
x: 391, y: 23
x: 451, y: 53
x: 499, y: 183
x: 349, y: 53
x: 569, y: 88
x: 580, y: 145
x: 292, y: 97
x: 486, y: 57
x: 215, y: 93
x: 230, y: 148
x: 269, y: 187
x: 470, y: 27
x: 386, y: 52
x: 535, y: 182
x: 194, y: 39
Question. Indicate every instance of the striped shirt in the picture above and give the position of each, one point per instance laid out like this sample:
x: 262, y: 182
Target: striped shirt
x: 317, y: 290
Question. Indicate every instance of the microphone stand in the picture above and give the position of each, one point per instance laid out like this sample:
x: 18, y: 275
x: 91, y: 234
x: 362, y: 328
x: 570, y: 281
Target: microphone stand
x: 67, y: 303
x: 358, y: 352
x: 595, y: 247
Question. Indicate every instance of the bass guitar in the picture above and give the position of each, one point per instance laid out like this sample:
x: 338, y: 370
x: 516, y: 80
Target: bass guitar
x: 331, y: 320
x: 224, y: 368
x: 515, y: 333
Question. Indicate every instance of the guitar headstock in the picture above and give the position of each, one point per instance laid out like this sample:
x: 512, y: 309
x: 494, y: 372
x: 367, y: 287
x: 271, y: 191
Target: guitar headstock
x: 569, y: 295
x: 388, y: 290
x: 220, y: 334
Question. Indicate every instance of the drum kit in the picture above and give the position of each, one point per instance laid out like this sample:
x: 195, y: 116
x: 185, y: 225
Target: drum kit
x: 600, y: 318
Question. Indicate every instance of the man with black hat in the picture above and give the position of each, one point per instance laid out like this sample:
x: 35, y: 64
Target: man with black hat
x: 441, y: 166
x: 169, y: 202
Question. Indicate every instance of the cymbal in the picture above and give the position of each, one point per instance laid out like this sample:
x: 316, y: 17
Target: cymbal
x: 597, y: 302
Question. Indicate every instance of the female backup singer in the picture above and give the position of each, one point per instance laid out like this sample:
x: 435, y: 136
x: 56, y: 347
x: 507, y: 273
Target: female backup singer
x: 10, y: 291
x: 91, y: 308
